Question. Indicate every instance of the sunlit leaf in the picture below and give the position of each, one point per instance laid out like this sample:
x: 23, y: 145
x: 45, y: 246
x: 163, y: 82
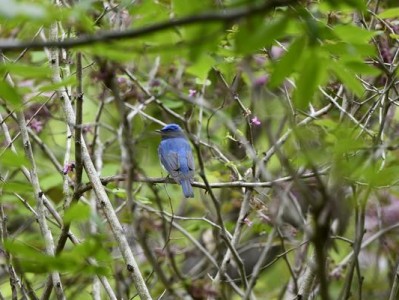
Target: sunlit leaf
x: 172, y: 103
x: 377, y: 178
x: 149, y: 12
x: 389, y: 13
x: 359, y: 4
x: 9, y: 94
x: 144, y: 200
x: 386, y: 176
x: 360, y: 67
x: 184, y: 7
x: 288, y: 62
x: 15, y: 187
x: 12, y: 159
x: 119, y: 192
x: 350, y: 49
x: 345, y: 142
x: 77, y: 212
x: 13, y: 9
x: 35, y: 261
x: 348, y: 78
x: 68, y: 81
x: 21, y: 249
x: 257, y: 33
x: 310, y: 76
x: 201, y: 67
x: 26, y: 71
x: 353, y: 34
x: 115, y: 53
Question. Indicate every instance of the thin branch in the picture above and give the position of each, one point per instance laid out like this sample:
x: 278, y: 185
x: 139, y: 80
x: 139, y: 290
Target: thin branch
x: 39, y: 195
x: 395, y: 287
x: 258, y: 267
x: 102, y: 197
x: 285, y: 136
x: 365, y: 243
x: 216, y: 185
x: 224, y: 16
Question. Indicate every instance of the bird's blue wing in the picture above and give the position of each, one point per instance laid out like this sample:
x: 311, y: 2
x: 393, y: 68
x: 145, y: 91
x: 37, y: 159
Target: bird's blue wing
x: 169, y: 160
x: 190, y: 160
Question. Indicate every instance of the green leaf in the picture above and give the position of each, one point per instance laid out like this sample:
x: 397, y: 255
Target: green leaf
x: 195, y: 226
x: 202, y: 38
x: 92, y: 246
x: 16, y: 247
x: 353, y: 34
x: 201, y: 82
x: 118, y: 192
x: 311, y: 75
x: 348, y: 78
x: 258, y: 33
x: 360, y: 67
x: 149, y: 12
x: 328, y: 124
x: 34, y: 261
x: 13, y: 9
x: 386, y: 176
x: 377, y: 178
x: 11, y: 159
x: 71, y: 80
x: 389, y: 13
x: 345, y: 141
x: 184, y: 7
x: 9, y: 94
x: 116, y: 52
x: 144, y: 200
x: 77, y: 212
x: 172, y: 103
x: 38, y: 56
x: 338, y: 4
x: 288, y: 62
x: 201, y: 67
x: 15, y: 187
x: 349, y: 49
x: 27, y: 71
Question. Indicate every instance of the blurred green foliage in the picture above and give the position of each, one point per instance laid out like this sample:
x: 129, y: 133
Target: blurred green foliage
x: 273, y: 61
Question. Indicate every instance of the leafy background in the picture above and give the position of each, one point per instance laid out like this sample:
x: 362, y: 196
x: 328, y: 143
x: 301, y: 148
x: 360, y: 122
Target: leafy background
x: 290, y: 107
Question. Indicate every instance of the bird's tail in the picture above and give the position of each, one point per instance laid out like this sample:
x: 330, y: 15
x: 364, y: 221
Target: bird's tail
x: 187, y: 188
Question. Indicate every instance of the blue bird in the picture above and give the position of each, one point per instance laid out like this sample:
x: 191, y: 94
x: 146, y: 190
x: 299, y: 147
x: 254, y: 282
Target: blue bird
x: 175, y: 154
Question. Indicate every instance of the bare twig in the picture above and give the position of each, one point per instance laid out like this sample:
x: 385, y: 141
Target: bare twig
x: 218, y: 16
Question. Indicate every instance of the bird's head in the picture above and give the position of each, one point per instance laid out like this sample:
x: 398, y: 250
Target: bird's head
x: 171, y: 130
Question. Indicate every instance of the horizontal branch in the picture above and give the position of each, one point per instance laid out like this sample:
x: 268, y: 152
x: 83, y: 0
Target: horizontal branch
x: 216, y: 185
x: 224, y: 16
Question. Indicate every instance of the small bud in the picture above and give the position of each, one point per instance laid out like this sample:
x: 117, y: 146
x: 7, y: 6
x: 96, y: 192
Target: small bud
x: 192, y: 93
x: 255, y: 121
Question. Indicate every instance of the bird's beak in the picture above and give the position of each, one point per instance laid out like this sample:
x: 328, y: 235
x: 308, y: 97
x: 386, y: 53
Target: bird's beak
x: 158, y: 131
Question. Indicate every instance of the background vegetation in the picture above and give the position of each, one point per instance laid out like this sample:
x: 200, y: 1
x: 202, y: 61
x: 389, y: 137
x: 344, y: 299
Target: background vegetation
x: 290, y: 108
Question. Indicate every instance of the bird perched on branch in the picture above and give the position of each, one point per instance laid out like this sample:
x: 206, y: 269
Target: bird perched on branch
x: 175, y: 154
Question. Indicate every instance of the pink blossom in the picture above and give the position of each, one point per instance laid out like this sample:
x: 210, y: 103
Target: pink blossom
x: 69, y: 167
x: 192, y: 92
x: 260, y: 60
x: 121, y: 80
x: 276, y: 52
x: 264, y: 218
x: 248, y: 222
x: 261, y: 80
x: 255, y: 121
x: 36, y: 126
x: 155, y: 82
x: 87, y: 128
